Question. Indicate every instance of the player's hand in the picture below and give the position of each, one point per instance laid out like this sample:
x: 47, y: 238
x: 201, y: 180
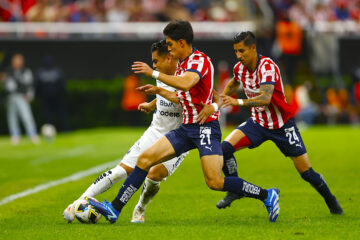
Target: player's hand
x: 141, y: 67
x: 228, y: 101
x: 148, y: 89
x: 146, y: 107
x: 205, y: 113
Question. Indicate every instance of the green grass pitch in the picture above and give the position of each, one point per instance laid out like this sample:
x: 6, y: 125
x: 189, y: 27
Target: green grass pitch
x: 185, y: 207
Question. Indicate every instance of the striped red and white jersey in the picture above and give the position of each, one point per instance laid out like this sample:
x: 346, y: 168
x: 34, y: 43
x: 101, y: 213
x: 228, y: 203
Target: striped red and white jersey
x: 191, y: 100
x: 278, y: 112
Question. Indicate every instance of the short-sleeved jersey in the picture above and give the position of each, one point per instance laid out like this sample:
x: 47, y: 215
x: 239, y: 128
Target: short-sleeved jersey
x: 168, y: 115
x: 191, y: 100
x: 278, y: 112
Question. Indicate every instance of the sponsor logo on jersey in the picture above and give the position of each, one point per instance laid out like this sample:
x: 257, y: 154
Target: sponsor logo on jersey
x: 166, y: 103
x: 169, y: 114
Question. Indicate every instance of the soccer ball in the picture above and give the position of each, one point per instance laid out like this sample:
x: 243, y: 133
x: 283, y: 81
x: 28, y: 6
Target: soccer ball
x: 48, y: 131
x: 86, y: 213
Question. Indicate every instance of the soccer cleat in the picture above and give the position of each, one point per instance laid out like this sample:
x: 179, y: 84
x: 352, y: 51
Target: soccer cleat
x: 272, y: 203
x: 106, y: 209
x: 138, y: 215
x: 227, y: 200
x: 69, y: 213
x: 334, y: 206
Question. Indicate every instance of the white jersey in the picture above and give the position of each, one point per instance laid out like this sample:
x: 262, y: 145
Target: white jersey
x: 168, y: 115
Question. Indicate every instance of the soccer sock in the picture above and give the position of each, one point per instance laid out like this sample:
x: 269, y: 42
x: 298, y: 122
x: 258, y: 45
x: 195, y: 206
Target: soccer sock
x: 130, y: 186
x: 318, y: 182
x: 241, y: 187
x: 105, y: 181
x: 149, y: 190
x: 230, y: 166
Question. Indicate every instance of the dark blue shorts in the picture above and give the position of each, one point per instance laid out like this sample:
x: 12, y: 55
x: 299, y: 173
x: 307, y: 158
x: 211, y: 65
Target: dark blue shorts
x: 206, y: 138
x: 287, y: 138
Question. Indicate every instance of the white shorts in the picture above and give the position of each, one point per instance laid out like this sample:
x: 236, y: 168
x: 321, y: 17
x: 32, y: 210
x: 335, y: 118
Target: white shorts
x: 146, y: 140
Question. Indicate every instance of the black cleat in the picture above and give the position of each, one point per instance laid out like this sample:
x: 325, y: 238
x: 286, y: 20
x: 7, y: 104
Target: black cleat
x: 334, y: 206
x: 227, y: 200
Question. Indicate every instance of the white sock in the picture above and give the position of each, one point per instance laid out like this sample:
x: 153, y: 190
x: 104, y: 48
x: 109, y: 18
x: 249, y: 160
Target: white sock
x: 105, y: 181
x: 149, y: 190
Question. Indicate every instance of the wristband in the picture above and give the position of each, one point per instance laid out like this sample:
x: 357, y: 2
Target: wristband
x: 155, y: 74
x: 216, y: 107
x: 241, y: 102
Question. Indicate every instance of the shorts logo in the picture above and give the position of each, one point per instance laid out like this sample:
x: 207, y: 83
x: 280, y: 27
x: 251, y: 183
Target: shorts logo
x: 210, y: 148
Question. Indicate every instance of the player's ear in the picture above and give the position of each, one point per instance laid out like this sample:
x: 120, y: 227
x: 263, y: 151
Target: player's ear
x: 182, y: 42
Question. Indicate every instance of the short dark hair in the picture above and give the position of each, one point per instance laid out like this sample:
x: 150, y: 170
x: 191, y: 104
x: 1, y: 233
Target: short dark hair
x: 179, y: 29
x: 248, y: 38
x: 160, y: 46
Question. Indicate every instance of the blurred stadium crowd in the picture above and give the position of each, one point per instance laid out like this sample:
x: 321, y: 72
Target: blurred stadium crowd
x: 301, y: 11
x: 309, y: 58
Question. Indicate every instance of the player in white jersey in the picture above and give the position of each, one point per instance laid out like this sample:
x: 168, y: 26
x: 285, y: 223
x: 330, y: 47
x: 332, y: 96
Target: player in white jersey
x: 167, y: 116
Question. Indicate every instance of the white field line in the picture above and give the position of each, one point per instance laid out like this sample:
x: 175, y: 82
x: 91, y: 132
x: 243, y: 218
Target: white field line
x: 44, y: 186
x: 66, y: 154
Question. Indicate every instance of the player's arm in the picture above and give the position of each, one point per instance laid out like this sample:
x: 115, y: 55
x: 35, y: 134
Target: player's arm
x: 263, y: 99
x: 152, y: 90
x: 208, y: 110
x: 147, y: 107
x: 184, y: 82
x: 231, y: 87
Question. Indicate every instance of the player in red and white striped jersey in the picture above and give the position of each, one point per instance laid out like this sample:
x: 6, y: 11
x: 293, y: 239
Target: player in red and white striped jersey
x: 194, y: 81
x: 271, y: 117
x: 191, y: 101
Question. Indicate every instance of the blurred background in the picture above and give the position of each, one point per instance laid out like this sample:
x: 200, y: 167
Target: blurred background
x: 67, y: 62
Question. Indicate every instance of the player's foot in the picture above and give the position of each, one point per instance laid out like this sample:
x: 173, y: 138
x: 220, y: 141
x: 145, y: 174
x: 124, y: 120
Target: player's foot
x: 138, y: 215
x: 106, y: 209
x: 69, y: 213
x: 334, y: 206
x: 227, y: 200
x: 272, y: 203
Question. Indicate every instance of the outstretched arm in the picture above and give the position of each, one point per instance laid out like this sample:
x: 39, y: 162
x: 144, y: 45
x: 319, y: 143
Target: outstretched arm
x: 147, y: 107
x: 231, y: 87
x: 152, y: 90
x: 264, y: 99
x: 184, y: 82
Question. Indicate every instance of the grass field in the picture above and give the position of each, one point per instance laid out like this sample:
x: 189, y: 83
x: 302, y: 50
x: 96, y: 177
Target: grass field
x: 185, y: 207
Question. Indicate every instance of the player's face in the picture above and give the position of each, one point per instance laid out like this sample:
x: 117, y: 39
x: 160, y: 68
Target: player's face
x: 159, y: 62
x: 175, y: 47
x: 245, y: 54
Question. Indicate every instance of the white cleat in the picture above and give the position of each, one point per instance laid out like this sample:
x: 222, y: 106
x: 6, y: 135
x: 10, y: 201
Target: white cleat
x: 69, y: 213
x: 138, y: 215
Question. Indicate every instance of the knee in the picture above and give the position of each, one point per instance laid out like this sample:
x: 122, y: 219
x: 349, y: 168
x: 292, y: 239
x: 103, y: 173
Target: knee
x: 144, y: 161
x: 215, y: 183
x: 157, y: 173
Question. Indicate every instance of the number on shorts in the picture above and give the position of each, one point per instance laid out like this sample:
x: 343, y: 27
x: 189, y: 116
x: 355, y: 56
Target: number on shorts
x: 291, y: 135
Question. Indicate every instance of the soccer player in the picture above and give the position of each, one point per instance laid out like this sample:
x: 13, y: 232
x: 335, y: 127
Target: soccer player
x: 271, y: 118
x: 168, y: 116
x: 194, y: 81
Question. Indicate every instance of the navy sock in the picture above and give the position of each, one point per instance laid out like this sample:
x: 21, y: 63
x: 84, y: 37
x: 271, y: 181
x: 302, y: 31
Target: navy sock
x: 318, y: 182
x: 230, y: 165
x: 132, y: 183
x: 242, y: 187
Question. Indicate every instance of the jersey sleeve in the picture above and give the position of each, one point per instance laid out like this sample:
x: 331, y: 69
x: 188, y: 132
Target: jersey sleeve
x: 267, y: 73
x: 236, y: 72
x: 198, y: 65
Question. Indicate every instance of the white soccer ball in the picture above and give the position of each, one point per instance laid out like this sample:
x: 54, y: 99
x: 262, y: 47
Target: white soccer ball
x: 86, y: 213
x: 48, y: 131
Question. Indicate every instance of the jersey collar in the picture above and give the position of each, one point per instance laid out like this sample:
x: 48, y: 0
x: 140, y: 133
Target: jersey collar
x: 193, y: 50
